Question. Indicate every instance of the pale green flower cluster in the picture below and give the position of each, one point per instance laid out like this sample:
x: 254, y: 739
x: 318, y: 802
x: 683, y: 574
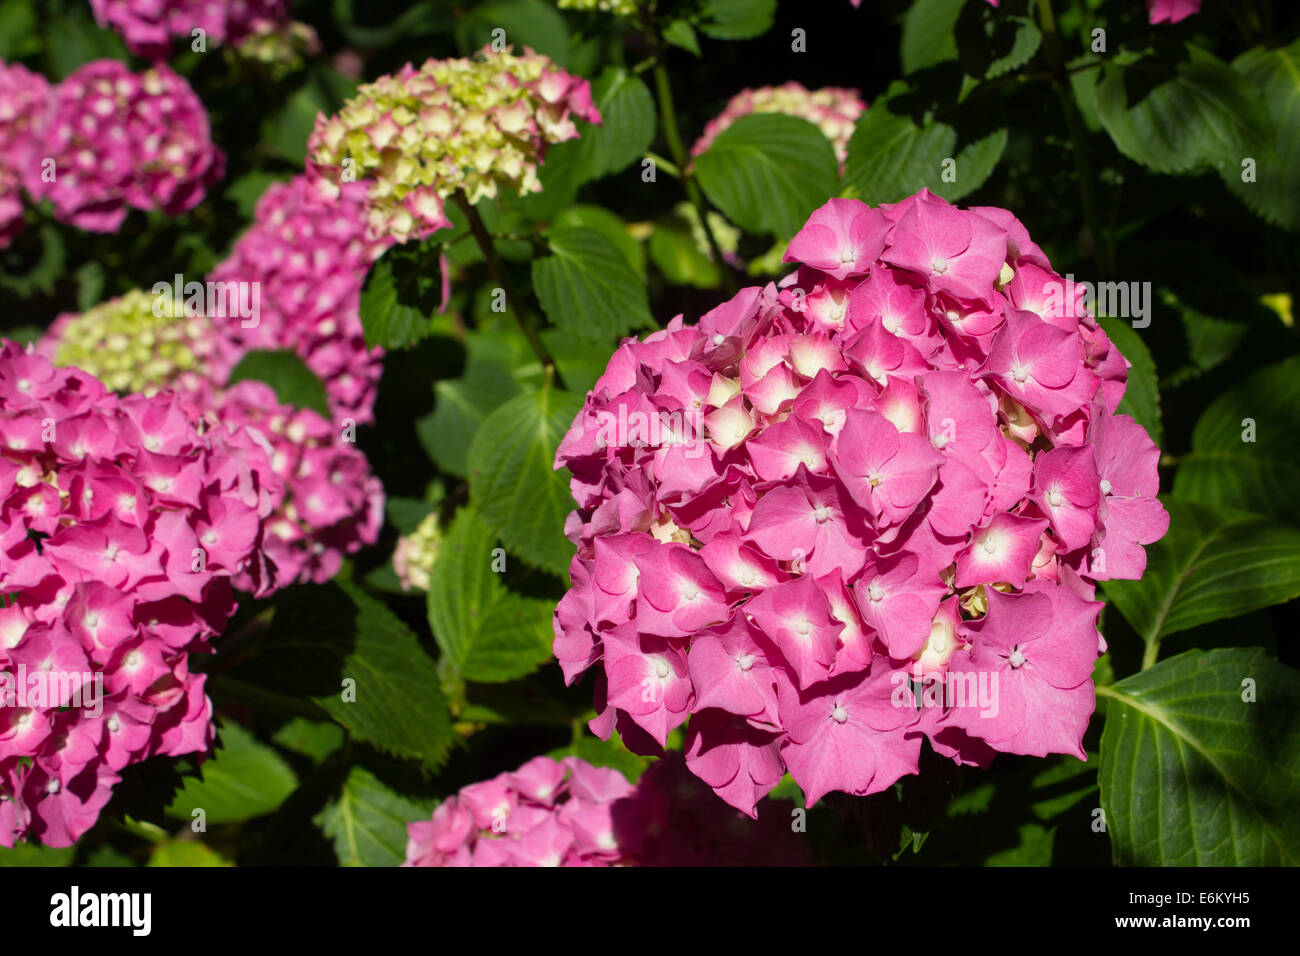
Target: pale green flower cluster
x: 282, y: 46
x: 468, y: 125
x: 133, y: 343
x: 416, y: 552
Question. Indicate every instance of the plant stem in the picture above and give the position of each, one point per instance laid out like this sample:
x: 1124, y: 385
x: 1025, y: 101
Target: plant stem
x: 149, y: 832
x: 1151, y: 654
x: 668, y: 120
x: 1102, y: 251
x: 523, y: 317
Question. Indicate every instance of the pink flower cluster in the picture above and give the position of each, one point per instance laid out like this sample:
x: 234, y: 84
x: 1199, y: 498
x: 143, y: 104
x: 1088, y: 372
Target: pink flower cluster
x: 309, y: 254
x: 570, y: 813
x: 332, y: 504
x: 833, y: 110
x: 149, y: 25
x: 105, y: 139
x: 126, y: 525
x: 1171, y: 11
x: 856, y: 508
x: 23, y: 98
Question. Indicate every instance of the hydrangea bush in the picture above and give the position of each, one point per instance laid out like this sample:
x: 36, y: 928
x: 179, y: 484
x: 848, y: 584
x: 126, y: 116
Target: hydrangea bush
x: 613, y: 433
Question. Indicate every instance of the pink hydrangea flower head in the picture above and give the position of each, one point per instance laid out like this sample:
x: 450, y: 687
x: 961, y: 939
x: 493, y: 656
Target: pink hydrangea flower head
x: 128, y: 524
x: 833, y: 110
x: 871, y: 522
x: 333, y: 505
x: 148, y: 26
x: 24, y: 98
x: 120, y: 139
x: 469, y: 125
x: 307, y: 255
x: 570, y: 813
x: 330, y: 504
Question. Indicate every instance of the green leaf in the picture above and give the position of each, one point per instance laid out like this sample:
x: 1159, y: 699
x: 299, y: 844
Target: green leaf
x: 680, y: 34
x: 400, y: 297
x: 627, y: 124
x: 588, y: 288
x: 581, y: 362
x: 737, y: 19
x: 287, y: 131
x: 1210, y: 341
x: 367, y: 823
x: 243, y: 779
x: 462, y: 406
x: 487, y: 632
x: 33, y: 854
x: 604, y: 753
x: 1142, y: 396
x: 324, y: 635
x: 532, y: 23
x: 560, y: 175
x: 601, y: 220
x: 674, y: 252
x: 186, y: 853
x: 79, y: 41
x: 928, y: 33
x: 1213, y: 563
x: 18, y: 36
x: 991, y: 43
x: 288, y: 375
x: 768, y: 172
x: 1192, y: 774
x: 405, y: 514
x: 1204, y: 115
x: 1275, y: 193
x: 892, y: 156
x: 512, y: 481
x: 1260, y: 475
x: 314, y: 739
x: 245, y: 191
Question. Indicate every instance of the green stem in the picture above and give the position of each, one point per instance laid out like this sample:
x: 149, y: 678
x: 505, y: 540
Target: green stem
x: 149, y: 832
x: 1151, y: 654
x: 663, y: 163
x: 668, y: 121
x: 1054, y: 49
x: 523, y: 317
